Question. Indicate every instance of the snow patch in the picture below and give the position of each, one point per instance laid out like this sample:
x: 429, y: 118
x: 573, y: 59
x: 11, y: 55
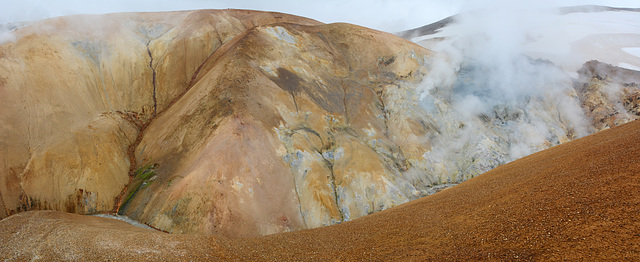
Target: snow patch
x: 282, y: 34
x: 269, y: 70
x: 634, y: 51
x: 125, y: 219
x: 629, y: 66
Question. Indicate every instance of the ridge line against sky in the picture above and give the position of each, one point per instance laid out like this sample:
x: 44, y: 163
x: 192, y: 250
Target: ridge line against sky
x: 385, y: 15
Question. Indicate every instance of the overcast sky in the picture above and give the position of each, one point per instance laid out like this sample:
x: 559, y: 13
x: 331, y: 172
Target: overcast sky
x: 387, y: 15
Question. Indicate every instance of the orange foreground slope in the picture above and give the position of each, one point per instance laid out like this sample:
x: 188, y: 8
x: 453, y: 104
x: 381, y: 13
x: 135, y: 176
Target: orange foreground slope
x: 579, y: 200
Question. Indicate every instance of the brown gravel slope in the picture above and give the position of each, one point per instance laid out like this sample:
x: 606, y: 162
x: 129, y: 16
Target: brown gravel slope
x: 576, y: 201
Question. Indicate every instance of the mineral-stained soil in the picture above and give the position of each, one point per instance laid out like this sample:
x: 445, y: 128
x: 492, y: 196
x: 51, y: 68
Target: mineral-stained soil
x: 576, y: 201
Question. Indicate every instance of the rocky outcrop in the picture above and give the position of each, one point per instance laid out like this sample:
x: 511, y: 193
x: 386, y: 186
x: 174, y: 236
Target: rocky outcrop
x: 610, y: 95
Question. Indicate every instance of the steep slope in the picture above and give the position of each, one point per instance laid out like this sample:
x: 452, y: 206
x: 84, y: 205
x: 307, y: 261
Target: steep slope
x: 574, y: 201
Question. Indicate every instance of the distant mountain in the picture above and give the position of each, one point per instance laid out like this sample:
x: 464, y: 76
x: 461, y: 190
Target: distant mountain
x: 433, y: 28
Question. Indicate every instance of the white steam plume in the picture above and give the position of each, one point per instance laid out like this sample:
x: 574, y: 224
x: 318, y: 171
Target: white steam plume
x: 6, y: 37
x: 502, y: 104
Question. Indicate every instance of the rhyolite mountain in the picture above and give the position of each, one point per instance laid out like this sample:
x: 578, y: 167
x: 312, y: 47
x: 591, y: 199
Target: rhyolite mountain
x: 575, y: 201
x: 244, y: 123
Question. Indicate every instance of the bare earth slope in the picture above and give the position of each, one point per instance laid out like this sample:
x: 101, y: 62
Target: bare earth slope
x: 579, y: 200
